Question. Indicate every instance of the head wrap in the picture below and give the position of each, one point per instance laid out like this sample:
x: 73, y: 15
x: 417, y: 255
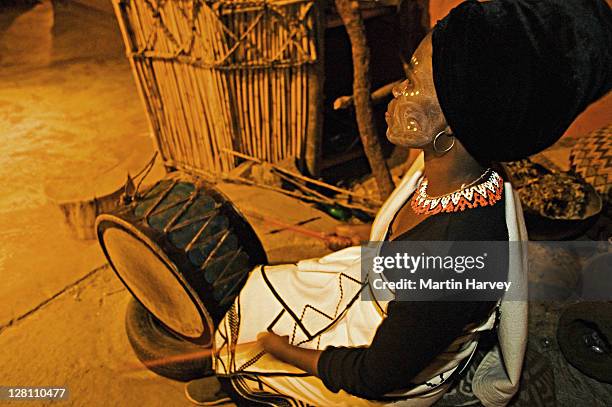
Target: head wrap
x: 512, y: 75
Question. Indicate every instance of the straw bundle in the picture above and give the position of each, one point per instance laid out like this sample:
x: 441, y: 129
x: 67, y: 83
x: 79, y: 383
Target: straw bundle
x: 228, y: 74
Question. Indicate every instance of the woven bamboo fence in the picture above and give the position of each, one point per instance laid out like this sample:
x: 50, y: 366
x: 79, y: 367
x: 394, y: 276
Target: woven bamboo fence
x: 220, y: 75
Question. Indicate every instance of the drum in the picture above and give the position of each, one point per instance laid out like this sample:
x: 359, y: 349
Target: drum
x: 184, y: 251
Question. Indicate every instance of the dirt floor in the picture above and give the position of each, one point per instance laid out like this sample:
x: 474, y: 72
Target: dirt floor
x: 67, y: 118
x: 72, y: 126
x: 63, y: 126
x: 78, y: 341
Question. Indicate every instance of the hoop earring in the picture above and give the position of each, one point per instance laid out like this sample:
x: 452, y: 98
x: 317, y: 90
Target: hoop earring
x: 447, y: 149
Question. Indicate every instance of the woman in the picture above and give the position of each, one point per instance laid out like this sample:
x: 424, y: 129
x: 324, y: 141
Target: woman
x: 495, y: 81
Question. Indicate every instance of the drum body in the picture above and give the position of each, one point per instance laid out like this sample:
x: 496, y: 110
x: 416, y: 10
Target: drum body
x: 184, y: 251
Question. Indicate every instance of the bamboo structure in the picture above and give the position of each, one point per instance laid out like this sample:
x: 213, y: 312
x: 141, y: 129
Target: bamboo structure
x: 242, y: 75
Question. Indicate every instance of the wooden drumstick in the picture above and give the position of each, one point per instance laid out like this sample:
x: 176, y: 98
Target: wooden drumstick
x: 326, y: 237
x: 204, y: 353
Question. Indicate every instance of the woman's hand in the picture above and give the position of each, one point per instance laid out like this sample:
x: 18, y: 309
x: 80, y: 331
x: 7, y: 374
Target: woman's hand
x: 272, y: 343
x: 349, y: 235
x: 279, y: 347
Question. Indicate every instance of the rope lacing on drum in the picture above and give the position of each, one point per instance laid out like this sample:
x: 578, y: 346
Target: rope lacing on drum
x: 222, y: 278
x: 214, y: 251
x: 214, y: 211
x: 208, y: 218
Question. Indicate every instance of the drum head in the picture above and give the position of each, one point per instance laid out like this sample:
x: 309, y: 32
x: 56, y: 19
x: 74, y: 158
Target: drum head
x: 153, y: 278
x: 184, y: 251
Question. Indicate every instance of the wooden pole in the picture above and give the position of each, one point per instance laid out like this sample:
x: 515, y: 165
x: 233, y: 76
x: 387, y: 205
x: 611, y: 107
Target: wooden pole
x: 315, y: 79
x: 308, y: 198
x: 351, y: 17
x: 378, y: 96
x: 305, y: 178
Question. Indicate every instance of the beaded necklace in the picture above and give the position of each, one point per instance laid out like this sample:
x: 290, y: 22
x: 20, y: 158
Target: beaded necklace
x: 472, y: 196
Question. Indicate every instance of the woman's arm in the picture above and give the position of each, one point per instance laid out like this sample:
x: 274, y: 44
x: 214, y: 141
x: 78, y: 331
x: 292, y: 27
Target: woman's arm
x: 360, y: 233
x: 349, y: 235
x: 279, y: 347
x: 411, y: 336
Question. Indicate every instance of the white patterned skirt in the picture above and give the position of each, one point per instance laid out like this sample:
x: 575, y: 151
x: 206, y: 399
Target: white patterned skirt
x: 317, y: 304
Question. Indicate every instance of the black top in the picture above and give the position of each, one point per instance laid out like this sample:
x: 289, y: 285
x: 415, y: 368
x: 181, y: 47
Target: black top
x: 414, y: 333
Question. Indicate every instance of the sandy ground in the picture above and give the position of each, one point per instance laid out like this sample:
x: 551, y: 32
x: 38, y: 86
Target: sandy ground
x: 66, y: 120
x: 78, y: 341
x: 72, y: 125
x: 63, y: 126
x: 59, y: 138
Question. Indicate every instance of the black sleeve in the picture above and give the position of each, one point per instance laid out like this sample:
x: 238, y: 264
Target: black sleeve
x: 408, y: 339
x: 414, y: 333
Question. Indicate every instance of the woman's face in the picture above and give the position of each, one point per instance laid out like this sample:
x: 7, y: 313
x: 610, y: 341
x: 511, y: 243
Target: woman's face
x: 414, y: 116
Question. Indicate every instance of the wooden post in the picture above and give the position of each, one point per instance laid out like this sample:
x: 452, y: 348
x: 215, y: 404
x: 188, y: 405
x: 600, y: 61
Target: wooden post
x: 316, y: 78
x: 351, y: 17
